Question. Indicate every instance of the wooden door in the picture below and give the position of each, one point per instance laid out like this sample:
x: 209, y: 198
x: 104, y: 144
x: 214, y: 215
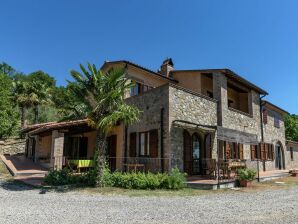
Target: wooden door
x: 111, y: 151
x: 187, y: 142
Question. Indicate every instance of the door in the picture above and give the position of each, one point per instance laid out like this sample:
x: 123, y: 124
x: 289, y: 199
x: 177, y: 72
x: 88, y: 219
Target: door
x: 187, y: 153
x: 278, y: 157
x: 196, y: 155
x: 111, y: 151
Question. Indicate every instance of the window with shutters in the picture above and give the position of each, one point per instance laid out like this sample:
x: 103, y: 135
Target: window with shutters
x: 233, y: 150
x: 148, y: 143
x: 144, y: 143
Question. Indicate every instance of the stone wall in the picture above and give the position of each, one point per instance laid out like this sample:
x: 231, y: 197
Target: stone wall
x: 12, y: 146
x: 189, y: 106
x: 274, y: 135
x: 292, y: 163
x: 150, y: 104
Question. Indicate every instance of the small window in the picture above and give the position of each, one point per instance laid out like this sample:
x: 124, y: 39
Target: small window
x: 276, y: 122
x: 292, y: 154
x: 135, y: 90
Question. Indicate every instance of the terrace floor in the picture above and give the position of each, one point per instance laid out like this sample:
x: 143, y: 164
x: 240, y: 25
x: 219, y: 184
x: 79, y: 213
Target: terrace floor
x: 24, y: 169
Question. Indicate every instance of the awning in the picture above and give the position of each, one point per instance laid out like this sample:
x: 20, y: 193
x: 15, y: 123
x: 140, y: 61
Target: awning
x: 230, y: 135
x: 190, y: 125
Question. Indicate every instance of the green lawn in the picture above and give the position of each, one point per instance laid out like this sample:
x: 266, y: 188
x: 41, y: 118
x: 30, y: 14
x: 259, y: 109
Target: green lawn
x: 257, y: 187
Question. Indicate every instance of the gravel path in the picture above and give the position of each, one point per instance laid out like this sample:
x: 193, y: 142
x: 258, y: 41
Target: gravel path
x: 19, y: 204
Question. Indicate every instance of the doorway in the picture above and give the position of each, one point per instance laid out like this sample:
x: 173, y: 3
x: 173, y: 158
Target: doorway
x: 196, y: 154
x: 111, y: 151
x: 279, y: 157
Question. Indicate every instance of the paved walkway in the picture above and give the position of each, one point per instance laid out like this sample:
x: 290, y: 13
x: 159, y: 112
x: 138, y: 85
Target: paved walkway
x: 24, y: 169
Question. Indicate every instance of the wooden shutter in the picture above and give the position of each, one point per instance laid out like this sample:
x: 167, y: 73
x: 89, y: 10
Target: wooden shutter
x: 261, y: 151
x: 153, y: 143
x: 252, y: 152
x: 265, y: 116
x: 187, y: 158
x: 240, y: 146
x: 273, y: 151
x: 133, y: 144
x: 227, y: 151
x: 266, y: 151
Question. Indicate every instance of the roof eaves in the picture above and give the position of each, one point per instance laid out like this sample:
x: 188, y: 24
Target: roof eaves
x: 141, y: 67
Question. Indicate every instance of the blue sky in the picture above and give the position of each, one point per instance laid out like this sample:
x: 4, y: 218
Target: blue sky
x: 256, y: 39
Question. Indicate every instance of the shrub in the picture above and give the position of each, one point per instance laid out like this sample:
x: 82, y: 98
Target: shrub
x: 174, y: 180
x: 246, y: 174
x: 66, y: 177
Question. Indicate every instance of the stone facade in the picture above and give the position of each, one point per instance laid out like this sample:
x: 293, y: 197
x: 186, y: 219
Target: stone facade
x: 191, y: 107
x: 12, y: 146
x: 275, y: 135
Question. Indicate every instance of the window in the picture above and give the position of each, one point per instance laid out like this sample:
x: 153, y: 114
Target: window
x: 276, y: 122
x: 135, y: 90
x: 253, y: 152
x: 148, y: 143
x: 233, y: 150
x: 265, y: 116
x: 144, y: 144
x: 291, y: 153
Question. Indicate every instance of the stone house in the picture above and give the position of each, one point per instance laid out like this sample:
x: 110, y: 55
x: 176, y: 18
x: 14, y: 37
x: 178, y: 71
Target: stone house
x: 200, y: 121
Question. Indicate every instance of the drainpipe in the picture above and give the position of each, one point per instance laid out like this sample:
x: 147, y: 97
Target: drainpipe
x: 161, y: 138
x: 262, y: 135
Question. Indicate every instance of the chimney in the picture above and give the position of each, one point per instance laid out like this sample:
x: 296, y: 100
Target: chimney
x: 166, y: 67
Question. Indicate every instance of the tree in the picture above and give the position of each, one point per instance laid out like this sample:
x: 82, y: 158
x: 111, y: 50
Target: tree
x: 8, y: 115
x: 291, y: 123
x: 102, y: 95
x: 6, y: 69
x: 39, y: 85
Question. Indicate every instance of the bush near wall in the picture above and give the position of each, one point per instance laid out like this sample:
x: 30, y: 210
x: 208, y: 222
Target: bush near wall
x: 174, y: 180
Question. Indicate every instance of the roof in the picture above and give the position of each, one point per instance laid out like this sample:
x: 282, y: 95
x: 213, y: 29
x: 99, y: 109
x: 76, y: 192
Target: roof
x: 278, y: 109
x: 58, y: 125
x: 34, y: 126
x: 140, y: 67
x: 292, y: 142
x: 230, y: 74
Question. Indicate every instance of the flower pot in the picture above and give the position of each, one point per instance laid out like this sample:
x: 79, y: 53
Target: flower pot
x: 245, y: 183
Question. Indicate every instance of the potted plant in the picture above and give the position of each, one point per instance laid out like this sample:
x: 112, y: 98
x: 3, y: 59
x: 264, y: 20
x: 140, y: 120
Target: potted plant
x: 246, y: 176
x: 294, y: 173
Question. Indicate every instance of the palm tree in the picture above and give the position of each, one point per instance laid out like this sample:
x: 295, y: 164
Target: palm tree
x: 22, y: 98
x: 102, y: 95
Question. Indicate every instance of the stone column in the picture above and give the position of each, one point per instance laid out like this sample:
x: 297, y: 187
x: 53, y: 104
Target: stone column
x: 57, y: 149
x: 220, y: 92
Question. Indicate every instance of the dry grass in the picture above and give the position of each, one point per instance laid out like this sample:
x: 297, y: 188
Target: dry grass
x: 4, y: 173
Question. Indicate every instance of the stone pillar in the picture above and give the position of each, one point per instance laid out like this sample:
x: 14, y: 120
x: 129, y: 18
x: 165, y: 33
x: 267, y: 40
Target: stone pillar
x: 220, y: 93
x: 57, y: 150
x: 37, y: 148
